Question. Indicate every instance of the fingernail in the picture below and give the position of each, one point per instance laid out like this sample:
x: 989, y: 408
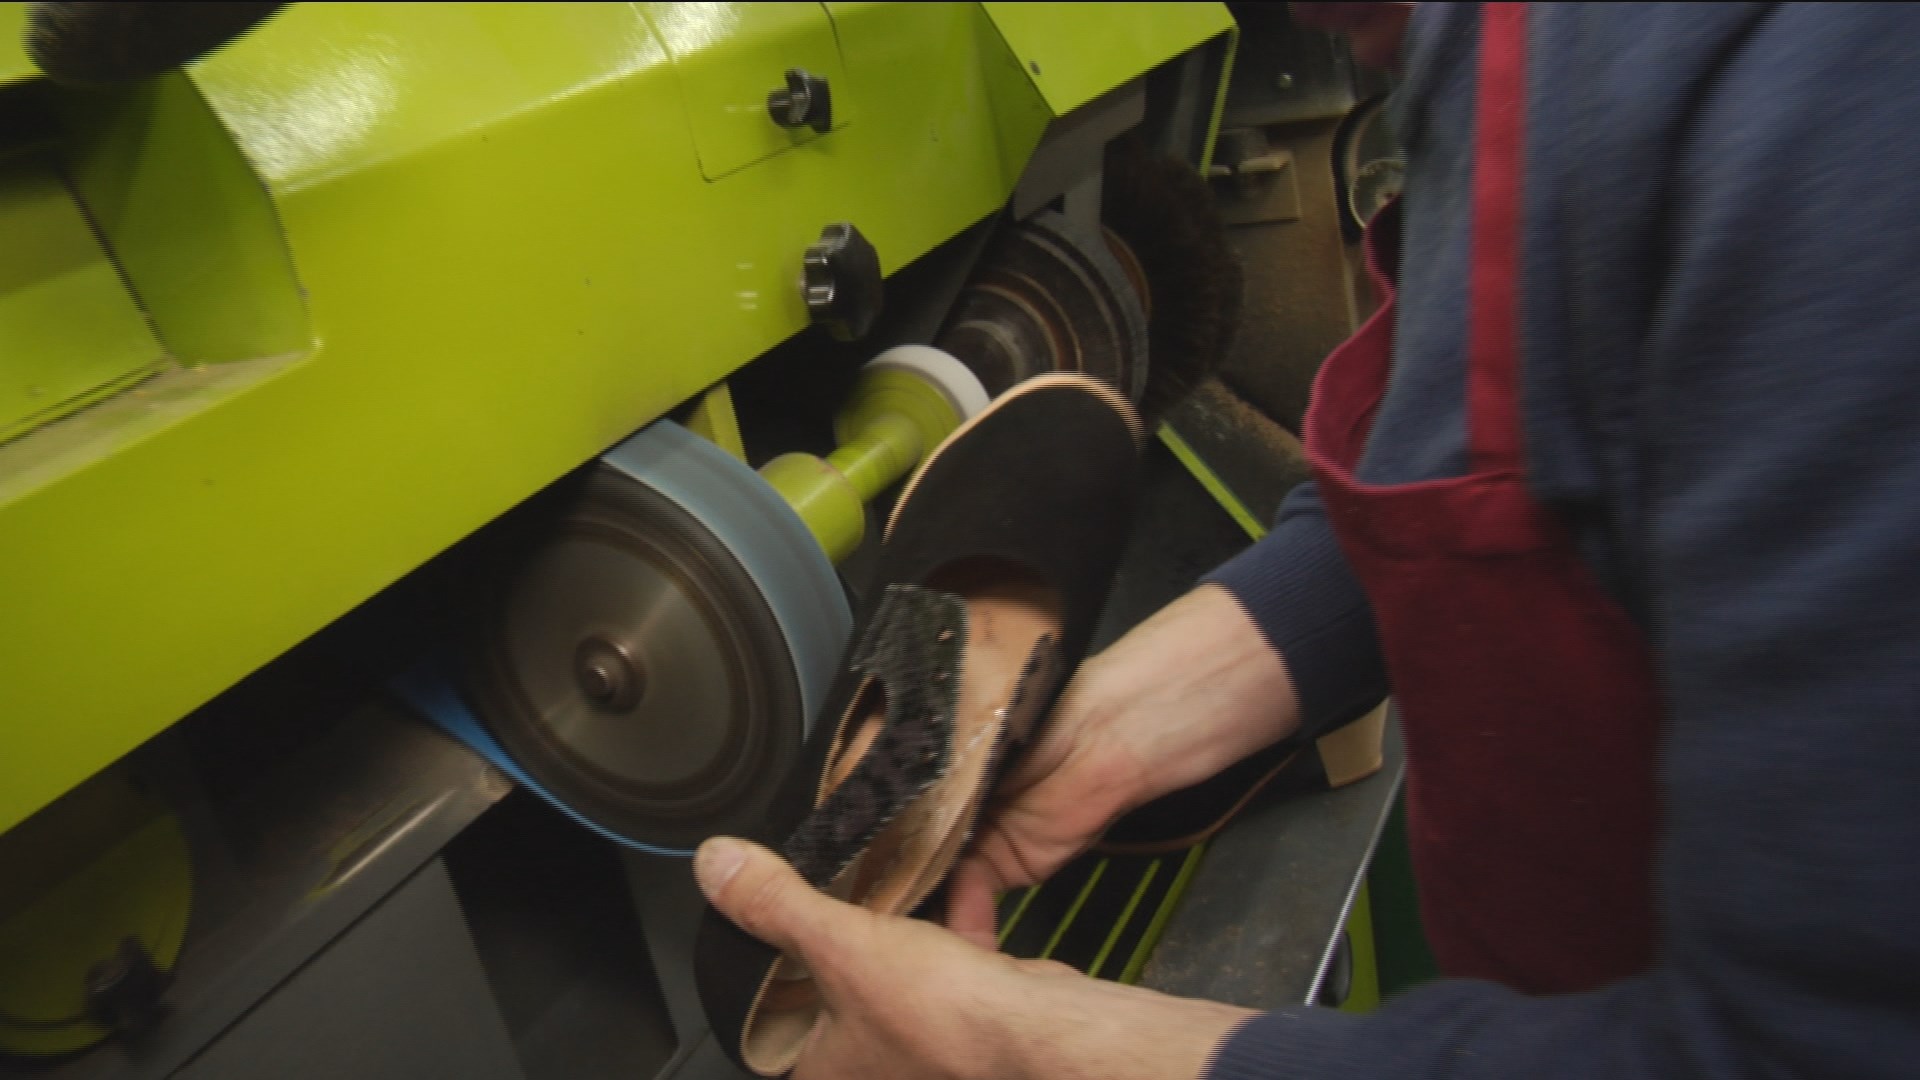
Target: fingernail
x: 716, y: 862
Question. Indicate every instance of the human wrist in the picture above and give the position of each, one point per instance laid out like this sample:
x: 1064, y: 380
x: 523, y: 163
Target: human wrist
x: 1198, y: 688
x: 1088, y: 1029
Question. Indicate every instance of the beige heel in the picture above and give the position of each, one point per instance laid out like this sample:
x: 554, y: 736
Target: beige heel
x: 1352, y: 753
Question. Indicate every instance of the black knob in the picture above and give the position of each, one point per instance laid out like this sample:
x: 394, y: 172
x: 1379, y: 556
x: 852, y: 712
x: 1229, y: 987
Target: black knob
x: 840, y: 279
x: 807, y: 101
x: 111, y: 44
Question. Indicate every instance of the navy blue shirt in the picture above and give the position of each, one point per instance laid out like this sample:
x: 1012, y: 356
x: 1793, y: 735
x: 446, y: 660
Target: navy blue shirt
x: 1721, y: 393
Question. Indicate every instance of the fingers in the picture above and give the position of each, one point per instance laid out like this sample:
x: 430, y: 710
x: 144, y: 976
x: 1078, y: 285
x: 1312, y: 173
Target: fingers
x: 764, y: 896
x: 970, y: 903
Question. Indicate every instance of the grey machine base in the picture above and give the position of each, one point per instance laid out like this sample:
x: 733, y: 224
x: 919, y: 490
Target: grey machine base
x: 401, y: 994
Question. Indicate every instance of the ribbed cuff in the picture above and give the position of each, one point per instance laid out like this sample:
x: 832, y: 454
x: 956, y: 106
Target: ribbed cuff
x: 1296, y: 585
x: 1287, y: 1044
x: 1462, y: 1029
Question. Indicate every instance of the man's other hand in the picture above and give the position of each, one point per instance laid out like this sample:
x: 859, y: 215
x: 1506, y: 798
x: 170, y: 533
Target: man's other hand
x: 1183, y: 695
x: 906, y: 1000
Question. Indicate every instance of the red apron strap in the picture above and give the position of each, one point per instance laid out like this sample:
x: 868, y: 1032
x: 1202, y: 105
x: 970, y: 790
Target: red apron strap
x: 1493, y: 308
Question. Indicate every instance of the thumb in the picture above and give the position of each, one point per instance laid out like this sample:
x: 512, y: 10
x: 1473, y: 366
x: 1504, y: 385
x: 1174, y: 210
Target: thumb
x: 766, y: 897
x: 970, y: 906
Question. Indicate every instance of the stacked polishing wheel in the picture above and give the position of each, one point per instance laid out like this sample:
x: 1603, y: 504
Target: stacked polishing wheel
x: 1047, y: 298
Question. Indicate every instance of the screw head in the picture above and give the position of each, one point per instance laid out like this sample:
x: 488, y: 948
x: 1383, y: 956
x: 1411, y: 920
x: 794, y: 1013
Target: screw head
x: 608, y: 674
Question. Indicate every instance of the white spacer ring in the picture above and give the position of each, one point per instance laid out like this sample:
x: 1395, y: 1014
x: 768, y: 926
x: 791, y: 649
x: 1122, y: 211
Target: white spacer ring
x: 955, y: 380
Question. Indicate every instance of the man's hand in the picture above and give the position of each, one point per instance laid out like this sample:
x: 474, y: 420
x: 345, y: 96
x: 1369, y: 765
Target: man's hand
x: 1190, y: 691
x: 906, y: 1000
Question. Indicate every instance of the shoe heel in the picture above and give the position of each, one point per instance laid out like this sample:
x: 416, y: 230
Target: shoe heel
x: 1353, y: 752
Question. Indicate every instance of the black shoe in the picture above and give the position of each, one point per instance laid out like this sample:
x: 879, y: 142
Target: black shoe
x: 994, y: 568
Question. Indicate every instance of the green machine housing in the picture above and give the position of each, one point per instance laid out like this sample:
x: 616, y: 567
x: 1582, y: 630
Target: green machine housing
x: 278, y: 328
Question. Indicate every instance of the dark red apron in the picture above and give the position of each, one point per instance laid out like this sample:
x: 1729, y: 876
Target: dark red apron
x: 1526, y: 693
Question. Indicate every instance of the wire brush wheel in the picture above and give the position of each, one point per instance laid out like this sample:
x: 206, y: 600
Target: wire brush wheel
x: 1174, y: 241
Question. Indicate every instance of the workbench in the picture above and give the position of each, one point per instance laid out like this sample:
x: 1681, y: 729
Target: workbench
x: 1261, y: 919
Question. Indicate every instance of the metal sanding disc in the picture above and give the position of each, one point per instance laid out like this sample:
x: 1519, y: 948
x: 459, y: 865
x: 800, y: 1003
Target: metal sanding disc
x: 653, y: 660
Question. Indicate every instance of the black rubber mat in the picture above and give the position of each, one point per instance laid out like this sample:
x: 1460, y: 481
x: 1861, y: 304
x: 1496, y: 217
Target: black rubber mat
x: 1099, y: 915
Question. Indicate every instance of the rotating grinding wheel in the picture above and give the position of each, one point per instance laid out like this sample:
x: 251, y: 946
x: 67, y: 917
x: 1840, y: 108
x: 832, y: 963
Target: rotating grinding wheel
x: 1046, y: 298
x: 652, y: 662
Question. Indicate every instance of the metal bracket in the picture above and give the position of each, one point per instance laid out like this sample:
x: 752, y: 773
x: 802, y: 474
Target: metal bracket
x: 1068, y: 159
x: 670, y: 907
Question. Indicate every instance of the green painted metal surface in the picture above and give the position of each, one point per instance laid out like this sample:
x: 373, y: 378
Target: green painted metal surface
x: 14, y: 64
x: 1363, y: 995
x: 69, y: 326
x: 506, y: 256
x: 188, y: 223
x: 1210, y: 480
x: 728, y: 56
x: 894, y: 419
x: 827, y: 503
x: 712, y: 418
x: 1073, y: 52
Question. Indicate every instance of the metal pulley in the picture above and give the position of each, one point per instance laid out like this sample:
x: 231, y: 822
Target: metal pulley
x: 651, y: 661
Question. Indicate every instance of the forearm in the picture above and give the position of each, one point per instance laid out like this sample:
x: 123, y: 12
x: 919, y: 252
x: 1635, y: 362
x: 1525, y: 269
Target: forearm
x: 1185, y: 694
x: 1088, y: 1029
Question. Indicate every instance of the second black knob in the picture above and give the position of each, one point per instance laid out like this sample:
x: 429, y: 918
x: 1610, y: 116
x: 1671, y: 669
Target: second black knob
x: 806, y: 101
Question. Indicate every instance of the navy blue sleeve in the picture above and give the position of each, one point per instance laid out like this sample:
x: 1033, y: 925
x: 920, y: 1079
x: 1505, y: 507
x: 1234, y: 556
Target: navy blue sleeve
x: 1296, y: 585
x: 1781, y: 419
